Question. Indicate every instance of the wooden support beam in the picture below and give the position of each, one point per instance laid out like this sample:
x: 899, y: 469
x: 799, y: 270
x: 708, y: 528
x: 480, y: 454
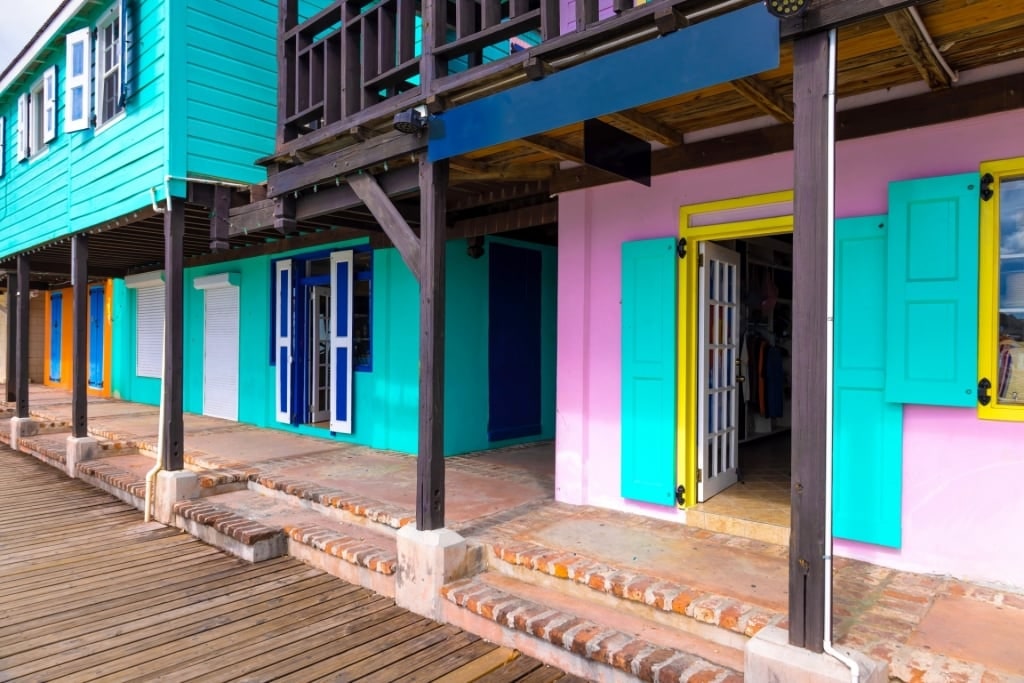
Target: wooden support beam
x: 347, y: 160
x: 645, y: 126
x: 813, y: 151
x: 220, y: 219
x: 80, y: 336
x: 172, y: 438
x: 822, y: 15
x: 920, y: 48
x: 430, y: 491
x: 391, y: 221
x: 329, y: 199
x: 766, y: 99
x: 12, y: 338
x: 506, y: 221
x: 556, y: 148
x: 54, y: 268
x: 22, y: 328
x: 503, y: 193
x: 284, y: 215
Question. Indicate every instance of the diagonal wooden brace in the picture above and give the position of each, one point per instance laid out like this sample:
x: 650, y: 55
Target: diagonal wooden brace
x: 395, y: 226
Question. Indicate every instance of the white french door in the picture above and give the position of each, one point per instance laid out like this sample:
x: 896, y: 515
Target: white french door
x: 718, y: 351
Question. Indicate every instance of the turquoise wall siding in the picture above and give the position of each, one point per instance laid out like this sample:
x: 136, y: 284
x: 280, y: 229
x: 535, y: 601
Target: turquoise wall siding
x: 230, y: 67
x: 386, y: 399
x: 88, y: 177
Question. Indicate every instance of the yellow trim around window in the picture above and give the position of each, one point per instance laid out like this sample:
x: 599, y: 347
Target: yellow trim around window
x: 988, y: 291
x: 686, y: 420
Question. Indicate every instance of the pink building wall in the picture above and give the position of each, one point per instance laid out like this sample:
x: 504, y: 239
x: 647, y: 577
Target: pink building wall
x: 961, y: 474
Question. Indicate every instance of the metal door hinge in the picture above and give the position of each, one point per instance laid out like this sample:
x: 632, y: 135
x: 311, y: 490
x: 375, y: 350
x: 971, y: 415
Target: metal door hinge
x: 700, y: 260
x: 986, y: 187
x: 983, y: 386
x: 700, y: 476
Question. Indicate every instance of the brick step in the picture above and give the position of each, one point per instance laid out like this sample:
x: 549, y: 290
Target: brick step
x: 123, y: 483
x: 340, y: 505
x: 720, y: 618
x: 585, y: 638
x: 257, y: 527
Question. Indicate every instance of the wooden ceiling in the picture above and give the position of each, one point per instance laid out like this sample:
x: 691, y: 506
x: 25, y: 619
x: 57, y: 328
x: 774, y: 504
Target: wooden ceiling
x: 874, y: 56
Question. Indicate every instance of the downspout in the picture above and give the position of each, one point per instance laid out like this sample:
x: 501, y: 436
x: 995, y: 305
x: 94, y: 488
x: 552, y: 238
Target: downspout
x: 151, y: 475
x: 830, y: 190
x: 167, y: 189
x: 939, y: 57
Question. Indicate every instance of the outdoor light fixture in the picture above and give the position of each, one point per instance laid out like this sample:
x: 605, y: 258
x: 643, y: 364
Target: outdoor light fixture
x: 411, y: 121
x: 786, y: 8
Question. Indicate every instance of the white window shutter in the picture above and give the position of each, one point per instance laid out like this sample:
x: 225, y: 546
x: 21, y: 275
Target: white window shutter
x: 283, y: 344
x: 76, y: 81
x: 22, y: 130
x: 149, y: 331
x: 50, y: 104
x: 3, y: 145
x: 341, y: 342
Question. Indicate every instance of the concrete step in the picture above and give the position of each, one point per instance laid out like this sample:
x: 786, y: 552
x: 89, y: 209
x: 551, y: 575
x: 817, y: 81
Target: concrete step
x: 585, y: 638
x: 715, y: 617
x: 257, y: 527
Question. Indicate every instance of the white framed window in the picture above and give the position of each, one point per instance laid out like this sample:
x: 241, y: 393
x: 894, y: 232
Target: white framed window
x: 37, y: 116
x: 48, y: 105
x: 149, y: 331
x: 77, y: 81
x: 109, y: 56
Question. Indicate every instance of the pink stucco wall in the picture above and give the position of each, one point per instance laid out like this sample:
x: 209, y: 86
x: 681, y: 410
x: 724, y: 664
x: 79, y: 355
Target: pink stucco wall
x: 959, y: 472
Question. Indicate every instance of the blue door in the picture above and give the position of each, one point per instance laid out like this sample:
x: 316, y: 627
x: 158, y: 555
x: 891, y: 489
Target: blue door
x: 56, y: 311
x: 96, y: 300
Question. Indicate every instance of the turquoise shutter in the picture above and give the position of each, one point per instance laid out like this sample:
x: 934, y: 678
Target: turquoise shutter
x: 932, y: 356
x: 867, y: 438
x: 649, y: 370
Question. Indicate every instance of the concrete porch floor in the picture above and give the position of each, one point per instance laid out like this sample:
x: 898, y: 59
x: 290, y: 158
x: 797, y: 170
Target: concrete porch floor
x: 927, y: 627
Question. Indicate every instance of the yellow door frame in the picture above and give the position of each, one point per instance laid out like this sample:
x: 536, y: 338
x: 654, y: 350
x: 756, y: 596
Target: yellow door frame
x: 740, y: 228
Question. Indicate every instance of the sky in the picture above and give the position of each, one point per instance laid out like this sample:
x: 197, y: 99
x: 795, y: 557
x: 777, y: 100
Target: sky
x: 21, y: 20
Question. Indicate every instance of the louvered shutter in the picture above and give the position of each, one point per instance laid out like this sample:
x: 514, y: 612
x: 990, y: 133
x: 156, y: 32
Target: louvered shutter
x: 50, y: 104
x: 149, y: 331
x: 22, y: 129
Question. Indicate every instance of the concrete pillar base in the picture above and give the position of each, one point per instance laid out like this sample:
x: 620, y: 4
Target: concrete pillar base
x: 426, y: 561
x: 169, y: 489
x: 79, y: 449
x: 770, y: 658
x: 22, y: 427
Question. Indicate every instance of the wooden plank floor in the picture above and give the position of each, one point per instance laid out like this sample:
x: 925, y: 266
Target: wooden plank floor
x: 89, y: 592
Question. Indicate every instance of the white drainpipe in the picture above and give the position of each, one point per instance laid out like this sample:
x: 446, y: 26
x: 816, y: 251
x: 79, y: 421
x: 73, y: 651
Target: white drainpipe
x: 830, y: 189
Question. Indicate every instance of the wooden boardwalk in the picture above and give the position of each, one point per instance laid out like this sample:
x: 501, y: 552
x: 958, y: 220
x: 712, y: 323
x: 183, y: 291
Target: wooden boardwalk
x: 88, y: 592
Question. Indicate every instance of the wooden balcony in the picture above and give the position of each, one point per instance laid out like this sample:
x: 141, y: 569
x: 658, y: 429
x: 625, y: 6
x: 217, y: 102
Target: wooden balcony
x: 351, y: 66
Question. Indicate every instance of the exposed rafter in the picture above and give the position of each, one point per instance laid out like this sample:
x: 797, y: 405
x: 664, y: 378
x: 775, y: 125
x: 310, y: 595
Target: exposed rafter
x: 467, y: 169
x: 555, y: 148
x: 765, y: 98
x: 645, y: 126
x: 920, y: 48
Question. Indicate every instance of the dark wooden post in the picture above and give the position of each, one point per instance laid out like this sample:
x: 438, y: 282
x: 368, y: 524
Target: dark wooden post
x: 22, y: 326
x: 812, y: 146
x: 12, y: 337
x: 430, y: 461
x: 80, y: 336
x: 173, y: 438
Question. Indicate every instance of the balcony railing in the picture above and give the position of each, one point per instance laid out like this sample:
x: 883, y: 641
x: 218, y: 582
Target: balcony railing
x: 358, y: 61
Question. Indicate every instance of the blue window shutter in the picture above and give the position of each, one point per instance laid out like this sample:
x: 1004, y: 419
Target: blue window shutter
x: 649, y: 360
x: 97, y: 298
x: 341, y: 342
x: 55, y: 334
x: 283, y: 341
x: 867, y: 438
x: 932, y: 303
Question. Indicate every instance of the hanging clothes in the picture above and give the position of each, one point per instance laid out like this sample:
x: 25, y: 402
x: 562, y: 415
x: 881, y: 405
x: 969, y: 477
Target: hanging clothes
x: 774, y: 381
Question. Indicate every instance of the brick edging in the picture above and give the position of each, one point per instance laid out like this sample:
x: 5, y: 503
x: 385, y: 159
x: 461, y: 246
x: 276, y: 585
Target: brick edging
x: 231, y: 524
x: 635, y: 656
x: 348, y: 548
x: 668, y: 596
x: 114, y: 476
x: 354, y: 504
